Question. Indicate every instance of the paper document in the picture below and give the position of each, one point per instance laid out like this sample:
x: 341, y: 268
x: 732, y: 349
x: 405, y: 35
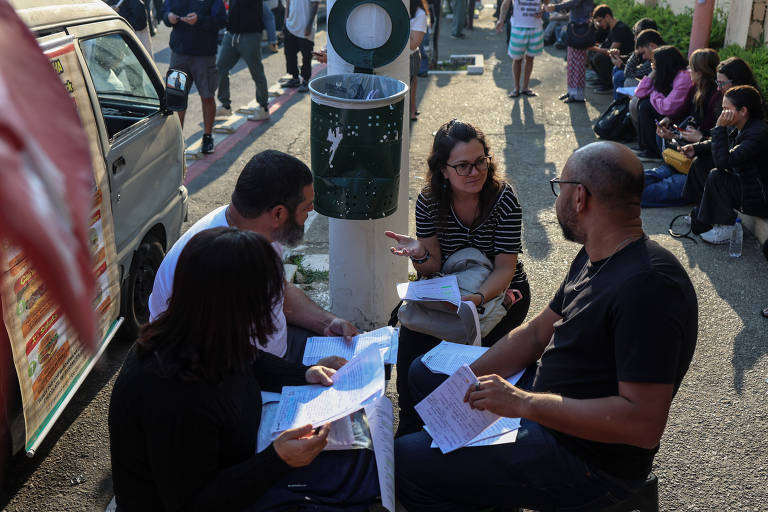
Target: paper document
x: 448, y: 357
x: 380, y: 421
x: 626, y: 91
x: 341, y: 436
x: 502, y: 432
x: 451, y: 421
x: 437, y: 289
x: 471, y: 321
x: 356, y: 384
x: 319, y: 347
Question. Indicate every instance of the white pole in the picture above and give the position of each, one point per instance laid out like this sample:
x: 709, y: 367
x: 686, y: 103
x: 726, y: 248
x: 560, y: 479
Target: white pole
x: 363, y: 272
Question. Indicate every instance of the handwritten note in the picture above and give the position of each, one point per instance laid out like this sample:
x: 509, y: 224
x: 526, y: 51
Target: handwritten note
x: 356, y: 384
x: 448, y: 357
x: 451, y: 421
x: 437, y: 289
x: 318, y: 347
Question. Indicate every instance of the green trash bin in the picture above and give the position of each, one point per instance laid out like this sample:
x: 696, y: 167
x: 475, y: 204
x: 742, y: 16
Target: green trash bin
x: 356, y: 135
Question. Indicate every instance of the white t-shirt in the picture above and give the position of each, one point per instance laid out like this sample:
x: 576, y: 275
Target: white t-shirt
x: 298, y: 17
x: 419, y: 23
x: 524, y: 14
x: 277, y: 343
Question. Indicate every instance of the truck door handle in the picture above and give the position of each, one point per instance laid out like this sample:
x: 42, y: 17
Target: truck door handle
x: 117, y: 164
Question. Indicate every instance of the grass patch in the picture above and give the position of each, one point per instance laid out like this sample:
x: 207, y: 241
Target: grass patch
x: 310, y: 275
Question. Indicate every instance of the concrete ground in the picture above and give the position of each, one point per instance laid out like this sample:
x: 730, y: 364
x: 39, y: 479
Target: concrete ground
x: 714, y: 454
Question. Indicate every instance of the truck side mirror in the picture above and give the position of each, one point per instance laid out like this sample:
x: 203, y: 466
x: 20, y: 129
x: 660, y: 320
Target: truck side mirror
x: 176, y: 90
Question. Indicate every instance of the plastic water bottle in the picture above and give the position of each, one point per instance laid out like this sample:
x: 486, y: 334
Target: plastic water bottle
x: 737, y: 237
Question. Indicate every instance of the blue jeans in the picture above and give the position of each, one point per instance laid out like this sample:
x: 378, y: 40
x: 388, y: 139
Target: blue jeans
x: 269, y: 25
x: 663, y: 187
x: 459, y: 16
x: 618, y: 81
x: 535, y: 472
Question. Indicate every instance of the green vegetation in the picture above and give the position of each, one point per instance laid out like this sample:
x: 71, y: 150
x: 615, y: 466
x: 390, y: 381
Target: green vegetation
x: 310, y: 275
x: 757, y: 59
x: 674, y: 28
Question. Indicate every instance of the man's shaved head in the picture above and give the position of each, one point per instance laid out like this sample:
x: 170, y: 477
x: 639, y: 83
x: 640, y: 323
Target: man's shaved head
x: 611, y: 172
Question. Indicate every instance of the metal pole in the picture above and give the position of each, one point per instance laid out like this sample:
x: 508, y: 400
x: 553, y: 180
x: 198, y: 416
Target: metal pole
x: 702, y: 24
x: 363, y: 272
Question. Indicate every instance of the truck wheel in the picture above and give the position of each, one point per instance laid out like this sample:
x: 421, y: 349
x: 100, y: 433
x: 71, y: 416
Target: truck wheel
x: 135, y: 304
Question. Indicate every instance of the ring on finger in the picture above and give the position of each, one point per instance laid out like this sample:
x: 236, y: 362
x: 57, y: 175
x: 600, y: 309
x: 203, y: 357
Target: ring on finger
x: 477, y: 386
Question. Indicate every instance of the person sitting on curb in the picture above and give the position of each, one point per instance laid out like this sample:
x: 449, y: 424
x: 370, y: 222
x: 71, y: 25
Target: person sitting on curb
x: 619, y: 41
x: 595, y: 406
x: 273, y: 197
x: 242, y: 40
x: 729, y: 170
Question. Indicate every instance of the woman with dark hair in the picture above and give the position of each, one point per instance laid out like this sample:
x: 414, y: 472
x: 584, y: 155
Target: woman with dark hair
x: 664, y: 185
x: 665, y: 92
x: 186, y: 407
x: 464, y: 205
x: 729, y: 171
x: 735, y: 71
x: 580, y: 12
x: 418, y: 29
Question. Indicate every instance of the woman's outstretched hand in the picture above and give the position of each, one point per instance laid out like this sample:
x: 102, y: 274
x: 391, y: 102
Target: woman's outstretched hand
x: 406, y: 246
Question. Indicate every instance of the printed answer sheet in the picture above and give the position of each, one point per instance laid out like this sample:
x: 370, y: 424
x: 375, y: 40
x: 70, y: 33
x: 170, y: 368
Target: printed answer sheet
x: 356, y: 384
x: 437, y: 289
x: 451, y: 421
x: 448, y: 357
x: 380, y: 421
x: 502, y: 432
x: 319, y: 347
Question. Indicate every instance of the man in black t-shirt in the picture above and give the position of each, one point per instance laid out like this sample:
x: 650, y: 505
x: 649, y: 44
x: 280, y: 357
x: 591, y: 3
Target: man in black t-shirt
x: 612, y: 349
x: 619, y: 41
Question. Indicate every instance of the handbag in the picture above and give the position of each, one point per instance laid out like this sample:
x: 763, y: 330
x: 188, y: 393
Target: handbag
x: 580, y: 35
x: 471, y: 268
x: 676, y: 160
x: 616, y: 122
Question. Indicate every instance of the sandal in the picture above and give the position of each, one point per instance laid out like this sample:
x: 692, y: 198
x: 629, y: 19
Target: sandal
x: 764, y: 312
x: 514, y: 94
x: 528, y: 92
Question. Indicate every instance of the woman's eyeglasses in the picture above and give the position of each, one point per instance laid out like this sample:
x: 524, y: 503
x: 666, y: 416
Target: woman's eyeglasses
x: 465, y: 168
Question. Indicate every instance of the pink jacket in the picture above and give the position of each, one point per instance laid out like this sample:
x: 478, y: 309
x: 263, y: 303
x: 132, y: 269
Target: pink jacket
x: 676, y: 102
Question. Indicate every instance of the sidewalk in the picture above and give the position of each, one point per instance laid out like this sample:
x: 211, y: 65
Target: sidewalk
x: 714, y: 453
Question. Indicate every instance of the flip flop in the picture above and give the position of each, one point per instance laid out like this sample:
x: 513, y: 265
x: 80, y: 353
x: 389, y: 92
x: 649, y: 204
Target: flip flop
x: 514, y: 94
x: 528, y: 92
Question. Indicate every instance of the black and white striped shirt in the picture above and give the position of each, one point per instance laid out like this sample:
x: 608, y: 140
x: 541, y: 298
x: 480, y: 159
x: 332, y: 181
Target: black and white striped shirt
x: 499, y: 233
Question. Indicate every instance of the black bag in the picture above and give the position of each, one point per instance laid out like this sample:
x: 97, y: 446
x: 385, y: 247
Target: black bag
x: 580, y: 35
x: 616, y: 122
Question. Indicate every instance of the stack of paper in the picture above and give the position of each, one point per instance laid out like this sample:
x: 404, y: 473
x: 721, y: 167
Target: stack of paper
x: 385, y: 338
x: 437, y: 289
x: 357, y: 383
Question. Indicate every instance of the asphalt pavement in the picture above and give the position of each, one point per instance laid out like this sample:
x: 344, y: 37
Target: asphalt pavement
x: 714, y: 453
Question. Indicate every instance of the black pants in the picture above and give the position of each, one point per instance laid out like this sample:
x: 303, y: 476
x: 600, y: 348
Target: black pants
x: 604, y: 68
x: 718, y: 193
x: 646, y: 129
x: 434, y: 16
x: 413, y: 344
x: 294, y: 45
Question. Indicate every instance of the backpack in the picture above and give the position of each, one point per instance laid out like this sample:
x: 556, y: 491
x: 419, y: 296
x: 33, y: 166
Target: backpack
x: 616, y: 122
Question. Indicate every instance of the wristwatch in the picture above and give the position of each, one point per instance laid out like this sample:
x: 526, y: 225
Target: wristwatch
x: 423, y: 259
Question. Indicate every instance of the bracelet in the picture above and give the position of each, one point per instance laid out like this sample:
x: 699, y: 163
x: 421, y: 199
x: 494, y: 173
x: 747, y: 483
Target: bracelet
x: 482, y: 297
x: 423, y: 259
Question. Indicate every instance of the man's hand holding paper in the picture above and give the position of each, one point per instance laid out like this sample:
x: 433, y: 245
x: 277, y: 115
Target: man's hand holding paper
x: 497, y: 395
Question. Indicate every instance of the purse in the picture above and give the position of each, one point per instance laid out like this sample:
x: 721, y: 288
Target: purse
x: 471, y: 268
x: 676, y: 160
x: 580, y: 35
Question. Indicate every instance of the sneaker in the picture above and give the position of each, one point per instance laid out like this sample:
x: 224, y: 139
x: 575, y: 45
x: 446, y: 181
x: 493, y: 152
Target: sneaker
x: 260, y: 114
x: 272, y: 47
x: 603, y: 90
x: 645, y: 156
x: 223, y: 112
x: 207, y: 146
x: 687, y: 220
x: 291, y: 84
x: 560, y: 46
x: 304, y: 87
x: 458, y: 36
x: 719, y: 234
x: 591, y: 75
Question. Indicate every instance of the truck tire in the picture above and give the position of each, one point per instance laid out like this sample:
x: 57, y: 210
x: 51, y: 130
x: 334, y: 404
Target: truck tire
x: 141, y: 278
